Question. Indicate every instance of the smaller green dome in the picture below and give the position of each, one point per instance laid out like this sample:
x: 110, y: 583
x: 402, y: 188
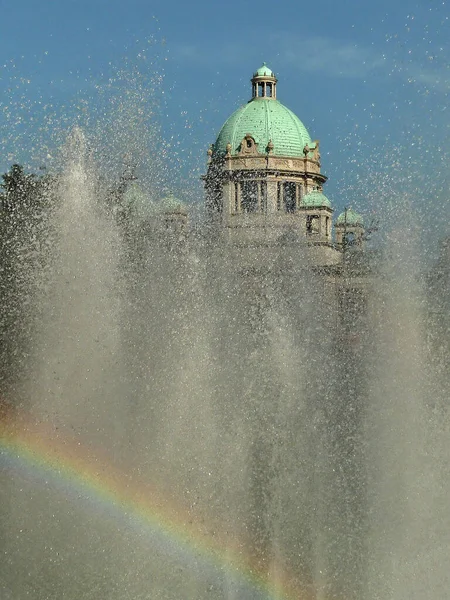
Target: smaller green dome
x: 170, y: 204
x: 134, y: 194
x: 349, y: 217
x: 264, y: 71
x: 138, y: 201
x: 315, y: 198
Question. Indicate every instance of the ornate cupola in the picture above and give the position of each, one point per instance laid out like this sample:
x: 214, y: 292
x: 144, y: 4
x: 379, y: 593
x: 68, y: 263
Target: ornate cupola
x: 261, y: 167
x: 264, y: 83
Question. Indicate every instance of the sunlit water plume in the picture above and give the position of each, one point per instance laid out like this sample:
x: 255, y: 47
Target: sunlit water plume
x: 78, y: 346
x: 407, y: 432
x: 223, y: 437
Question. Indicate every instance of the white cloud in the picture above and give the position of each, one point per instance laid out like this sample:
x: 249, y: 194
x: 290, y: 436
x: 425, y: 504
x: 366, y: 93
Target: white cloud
x: 308, y: 54
x: 326, y: 55
x: 433, y: 79
x: 195, y: 55
x: 315, y: 54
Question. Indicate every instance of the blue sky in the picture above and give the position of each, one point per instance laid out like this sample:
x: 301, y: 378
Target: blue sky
x: 371, y: 80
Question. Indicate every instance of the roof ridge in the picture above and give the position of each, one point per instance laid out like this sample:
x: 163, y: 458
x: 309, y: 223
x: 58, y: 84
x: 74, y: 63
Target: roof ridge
x: 242, y: 110
x: 268, y: 123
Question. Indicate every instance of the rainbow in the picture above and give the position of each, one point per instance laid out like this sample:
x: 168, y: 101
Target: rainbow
x: 40, y: 452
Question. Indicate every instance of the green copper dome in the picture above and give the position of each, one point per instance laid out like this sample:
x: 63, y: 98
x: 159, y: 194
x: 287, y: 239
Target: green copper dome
x: 264, y: 71
x: 266, y: 120
x: 349, y: 217
x: 315, y: 199
x: 170, y: 204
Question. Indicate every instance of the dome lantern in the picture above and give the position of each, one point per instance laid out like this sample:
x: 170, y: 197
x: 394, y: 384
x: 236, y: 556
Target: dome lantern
x: 264, y: 83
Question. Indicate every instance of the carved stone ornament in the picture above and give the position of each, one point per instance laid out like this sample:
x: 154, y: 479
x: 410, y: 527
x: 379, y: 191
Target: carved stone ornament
x: 248, y: 146
x: 315, y: 151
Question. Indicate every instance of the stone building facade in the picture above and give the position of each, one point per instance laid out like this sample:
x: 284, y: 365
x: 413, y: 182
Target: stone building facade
x: 264, y: 181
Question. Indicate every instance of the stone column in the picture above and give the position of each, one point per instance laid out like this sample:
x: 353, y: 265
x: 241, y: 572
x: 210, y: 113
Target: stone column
x: 228, y: 193
x: 323, y: 224
x: 272, y: 190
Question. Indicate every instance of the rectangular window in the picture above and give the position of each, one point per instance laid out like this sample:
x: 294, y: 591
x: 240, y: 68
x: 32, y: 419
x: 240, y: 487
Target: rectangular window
x: 249, y: 196
x: 312, y: 225
x: 289, y: 196
x: 263, y: 196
